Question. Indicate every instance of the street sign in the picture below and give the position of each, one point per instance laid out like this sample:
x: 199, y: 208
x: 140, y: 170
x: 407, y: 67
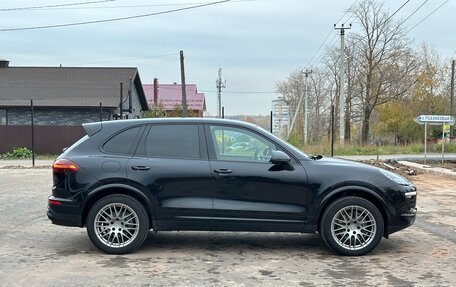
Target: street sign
x: 434, y: 119
x: 444, y: 121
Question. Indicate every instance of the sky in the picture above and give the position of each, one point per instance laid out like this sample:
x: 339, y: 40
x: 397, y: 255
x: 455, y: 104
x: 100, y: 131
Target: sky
x: 256, y: 42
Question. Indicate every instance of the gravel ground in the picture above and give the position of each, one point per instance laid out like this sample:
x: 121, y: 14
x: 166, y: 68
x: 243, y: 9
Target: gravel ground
x: 33, y: 252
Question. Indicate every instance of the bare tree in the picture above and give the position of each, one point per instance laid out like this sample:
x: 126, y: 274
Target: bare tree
x: 386, y: 60
x: 320, y: 101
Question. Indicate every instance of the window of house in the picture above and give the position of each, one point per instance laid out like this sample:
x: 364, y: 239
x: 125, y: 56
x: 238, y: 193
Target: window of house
x: 173, y: 141
x: 240, y: 145
x: 3, y: 118
x: 122, y: 142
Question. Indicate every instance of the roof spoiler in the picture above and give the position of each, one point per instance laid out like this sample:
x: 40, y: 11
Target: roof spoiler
x: 92, y: 128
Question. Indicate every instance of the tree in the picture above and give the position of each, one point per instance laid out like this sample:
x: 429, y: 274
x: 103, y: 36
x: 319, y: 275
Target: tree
x: 429, y: 95
x: 387, y: 62
x: 177, y: 111
x: 155, y: 111
x: 320, y: 98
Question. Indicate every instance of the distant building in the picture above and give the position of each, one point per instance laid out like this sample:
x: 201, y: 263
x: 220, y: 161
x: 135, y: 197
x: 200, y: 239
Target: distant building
x: 67, y: 96
x: 170, y: 96
x: 63, y: 99
x: 280, y: 117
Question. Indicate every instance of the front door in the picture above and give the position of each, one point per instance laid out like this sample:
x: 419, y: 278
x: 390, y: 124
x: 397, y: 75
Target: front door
x: 251, y: 193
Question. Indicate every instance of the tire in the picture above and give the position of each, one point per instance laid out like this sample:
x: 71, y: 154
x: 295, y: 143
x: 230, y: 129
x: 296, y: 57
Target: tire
x: 352, y: 226
x: 117, y: 224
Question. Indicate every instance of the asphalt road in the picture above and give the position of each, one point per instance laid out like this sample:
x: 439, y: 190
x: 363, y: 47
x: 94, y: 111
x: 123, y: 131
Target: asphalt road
x: 33, y: 252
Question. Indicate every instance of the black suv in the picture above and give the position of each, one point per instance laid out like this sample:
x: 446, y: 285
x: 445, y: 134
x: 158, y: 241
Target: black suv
x: 129, y: 176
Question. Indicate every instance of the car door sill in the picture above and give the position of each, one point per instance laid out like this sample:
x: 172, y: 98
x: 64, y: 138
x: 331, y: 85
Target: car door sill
x: 242, y: 219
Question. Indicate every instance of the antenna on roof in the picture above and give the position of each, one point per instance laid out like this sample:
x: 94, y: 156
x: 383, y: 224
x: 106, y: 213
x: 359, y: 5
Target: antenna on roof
x: 220, y: 85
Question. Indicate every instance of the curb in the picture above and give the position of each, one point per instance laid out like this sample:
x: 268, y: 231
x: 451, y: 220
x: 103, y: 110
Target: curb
x: 428, y: 169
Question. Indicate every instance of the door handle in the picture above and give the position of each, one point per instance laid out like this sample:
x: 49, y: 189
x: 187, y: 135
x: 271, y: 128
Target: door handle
x: 223, y: 171
x: 140, y: 167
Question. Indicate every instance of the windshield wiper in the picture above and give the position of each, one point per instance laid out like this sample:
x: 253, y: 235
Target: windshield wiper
x: 315, y: 157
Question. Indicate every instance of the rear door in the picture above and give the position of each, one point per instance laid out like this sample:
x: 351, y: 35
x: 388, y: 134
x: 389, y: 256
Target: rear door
x: 172, y: 167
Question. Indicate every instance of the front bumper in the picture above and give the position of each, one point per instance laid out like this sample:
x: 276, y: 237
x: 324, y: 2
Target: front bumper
x: 403, y: 221
x: 62, y: 211
x: 405, y: 210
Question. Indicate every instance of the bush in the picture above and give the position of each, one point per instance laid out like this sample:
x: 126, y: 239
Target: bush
x: 20, y: 152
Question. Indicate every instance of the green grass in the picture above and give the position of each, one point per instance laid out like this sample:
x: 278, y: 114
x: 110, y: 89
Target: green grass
x: 324, y: 149
x: 37, y: 156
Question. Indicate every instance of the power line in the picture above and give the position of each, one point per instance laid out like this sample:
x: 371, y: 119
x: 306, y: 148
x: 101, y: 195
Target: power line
x: 389, y: 18
x: 395, y: 12
x: 55, y: 6
x: 331, y: 42
x: 346, y: 12
x: 422, y: 20
x: 413, y: 13
x: 319, y: 48
x: 329, y: 34
x: 239, y: 92
x: 117, y: 6
x: 114, y: 19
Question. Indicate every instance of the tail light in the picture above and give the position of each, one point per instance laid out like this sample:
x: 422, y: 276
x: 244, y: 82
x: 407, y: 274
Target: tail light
x: 54, y: 202
x: 64, y: 165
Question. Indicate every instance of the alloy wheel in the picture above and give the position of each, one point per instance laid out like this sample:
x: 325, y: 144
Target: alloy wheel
x: 116, y: 225
x: 353, y: 227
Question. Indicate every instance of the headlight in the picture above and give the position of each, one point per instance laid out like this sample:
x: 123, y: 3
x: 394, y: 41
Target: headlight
x: 395, y: 177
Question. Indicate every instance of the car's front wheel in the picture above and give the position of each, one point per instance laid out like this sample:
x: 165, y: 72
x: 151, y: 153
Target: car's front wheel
x: 352, y: 226
x: 117, y: 224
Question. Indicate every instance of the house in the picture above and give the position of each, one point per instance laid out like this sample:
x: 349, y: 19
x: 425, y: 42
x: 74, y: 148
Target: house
x: 170, y: 96
x: 63, y: 99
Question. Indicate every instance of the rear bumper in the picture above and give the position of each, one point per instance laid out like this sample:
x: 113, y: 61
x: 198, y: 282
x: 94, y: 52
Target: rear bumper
x: 66, y: 213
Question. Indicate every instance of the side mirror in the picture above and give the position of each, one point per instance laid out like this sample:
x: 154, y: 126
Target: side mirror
x: 279, y: 157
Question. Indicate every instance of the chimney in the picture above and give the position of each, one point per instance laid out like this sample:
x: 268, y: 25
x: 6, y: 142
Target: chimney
x: 4, y: 63
x: 155, y: 91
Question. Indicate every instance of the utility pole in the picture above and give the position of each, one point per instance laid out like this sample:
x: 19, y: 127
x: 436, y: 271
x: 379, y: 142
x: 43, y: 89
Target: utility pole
x: 121, y: 102
x: 452, y: 103
x: 32, y: 114
x: 184, y: 90
x: 220, y: 85
x: 306, y: 96
x: 342, y: 80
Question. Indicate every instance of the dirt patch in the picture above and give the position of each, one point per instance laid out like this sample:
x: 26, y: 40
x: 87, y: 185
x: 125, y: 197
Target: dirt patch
x: 394, y: 166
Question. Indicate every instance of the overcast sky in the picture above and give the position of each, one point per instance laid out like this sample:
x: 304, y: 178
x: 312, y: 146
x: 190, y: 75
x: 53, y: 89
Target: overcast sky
x: 257, y: 43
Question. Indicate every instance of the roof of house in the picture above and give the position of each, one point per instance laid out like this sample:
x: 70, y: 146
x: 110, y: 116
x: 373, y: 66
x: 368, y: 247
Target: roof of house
x: 170, y: 95
x: 67, y: 86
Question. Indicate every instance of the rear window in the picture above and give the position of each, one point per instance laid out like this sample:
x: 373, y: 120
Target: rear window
x: 173, y: 141
x: 122, y: 142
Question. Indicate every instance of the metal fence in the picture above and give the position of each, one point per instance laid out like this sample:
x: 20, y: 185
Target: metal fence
x: 47, y: 139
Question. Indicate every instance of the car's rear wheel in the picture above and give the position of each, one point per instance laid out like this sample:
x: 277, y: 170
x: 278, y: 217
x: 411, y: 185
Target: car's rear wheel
x: 352, y: 226
x: 117, y: 224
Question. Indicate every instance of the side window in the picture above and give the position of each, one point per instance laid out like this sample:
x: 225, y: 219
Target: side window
x: 240, y: 144
x: 122, y: 142
x: 173, y: 141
